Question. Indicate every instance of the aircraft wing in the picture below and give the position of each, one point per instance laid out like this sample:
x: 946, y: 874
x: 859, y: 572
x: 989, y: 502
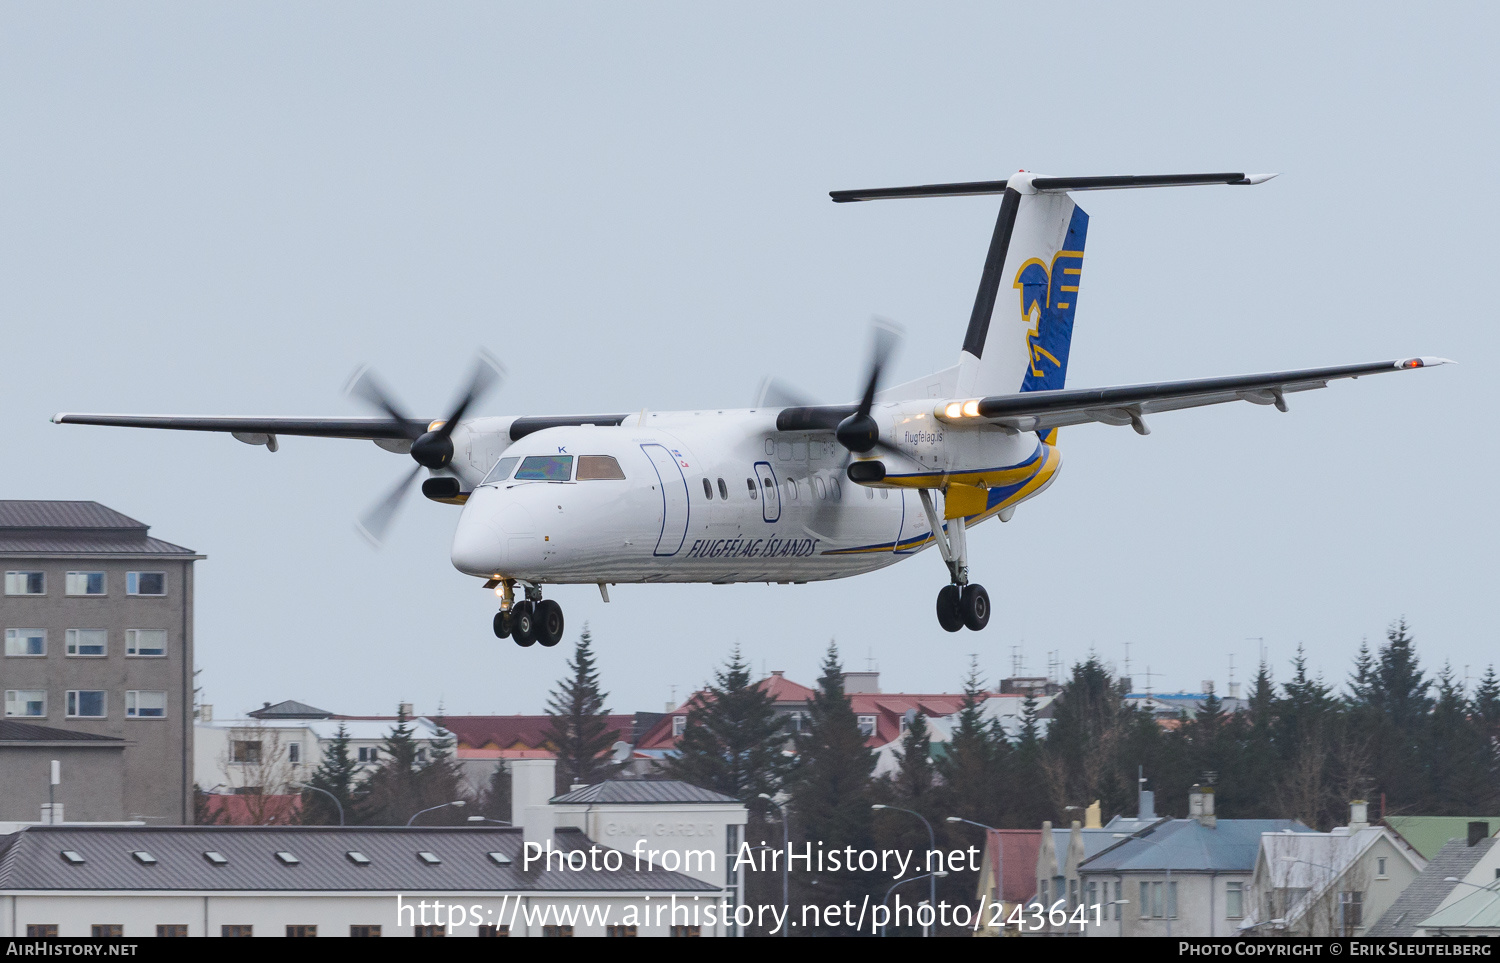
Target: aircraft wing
x: 370, y: 428
x: 1128, y: 404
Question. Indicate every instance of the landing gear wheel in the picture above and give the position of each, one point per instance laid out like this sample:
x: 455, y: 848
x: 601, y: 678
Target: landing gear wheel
x: 523, y: 623
x: 974, y: 605
x: 948, y: 602
x: 502, y: 625
x: 549, y: 623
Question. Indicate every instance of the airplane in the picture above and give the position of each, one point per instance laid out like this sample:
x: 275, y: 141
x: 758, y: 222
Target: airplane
x: 787, y: 491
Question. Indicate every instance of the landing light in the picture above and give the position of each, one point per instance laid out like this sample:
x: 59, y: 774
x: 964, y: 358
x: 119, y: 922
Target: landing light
x: 971, y: 409
x: 436, y: 425
x: 954, y: 410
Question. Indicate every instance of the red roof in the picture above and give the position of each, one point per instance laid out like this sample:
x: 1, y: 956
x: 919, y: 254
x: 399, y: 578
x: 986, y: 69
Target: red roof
x: 518, y: 732
x: 1019, y: 848
x: 889, y: 709
x: 237, y: 810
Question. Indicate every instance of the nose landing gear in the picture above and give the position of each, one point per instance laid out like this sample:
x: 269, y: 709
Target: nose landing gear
x: 529, y: 621
x: 960, y: 604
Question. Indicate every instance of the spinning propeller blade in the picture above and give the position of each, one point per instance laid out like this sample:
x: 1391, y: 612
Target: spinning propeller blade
x: 432, y: 449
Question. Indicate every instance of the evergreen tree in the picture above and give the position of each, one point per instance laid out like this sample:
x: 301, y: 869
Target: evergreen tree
x: 914, y: 777
x: 1081, y: 753
x: 408, y: 779
x: 830, y: 787
x: 496, y: 801
x: 580, y: 733
x: 1457, y: 754
x: 1026, y: 804
x: 1400, y: 699
x: 733, y: 742
x: 335, y: 776
x: 970, y: 766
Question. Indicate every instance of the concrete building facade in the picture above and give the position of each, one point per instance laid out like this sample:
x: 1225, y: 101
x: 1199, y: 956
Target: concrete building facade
x: 98, y: 626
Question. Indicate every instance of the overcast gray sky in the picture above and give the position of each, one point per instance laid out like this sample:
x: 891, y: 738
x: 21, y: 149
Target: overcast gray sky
x: 223, y: 208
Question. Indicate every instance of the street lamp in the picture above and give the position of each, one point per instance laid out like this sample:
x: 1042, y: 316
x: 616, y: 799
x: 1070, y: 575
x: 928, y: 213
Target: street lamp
x: 931, y: 848
x: 486, y: 819
x: 1121, y: 917
x: 902, y: 882
x: 303, y: 785
x: 1488, y: 889
x: 786, y: 849
x: 999, y: 858
x: 1343, y: 930
x: 456, y: 802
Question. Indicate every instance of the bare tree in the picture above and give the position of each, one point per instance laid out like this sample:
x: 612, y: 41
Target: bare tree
x: 257, y: 768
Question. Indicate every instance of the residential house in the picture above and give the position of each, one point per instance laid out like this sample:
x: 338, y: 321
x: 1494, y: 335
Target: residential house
x: 1460, y: 868
x: 1176, y: 877
x: 1328, y: 884
x: 1428, y: 834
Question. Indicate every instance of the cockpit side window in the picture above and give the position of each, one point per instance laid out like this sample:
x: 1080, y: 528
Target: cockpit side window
x: 545, y: 468
x: 598, y: 468
x: 501, y: 471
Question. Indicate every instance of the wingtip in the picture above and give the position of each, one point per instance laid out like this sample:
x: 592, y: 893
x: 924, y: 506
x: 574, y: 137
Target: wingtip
x: 1260, y: 178
x: 1423, y: 362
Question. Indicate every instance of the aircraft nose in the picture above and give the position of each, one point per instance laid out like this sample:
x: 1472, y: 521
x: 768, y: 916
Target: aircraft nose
x: 485, y: 529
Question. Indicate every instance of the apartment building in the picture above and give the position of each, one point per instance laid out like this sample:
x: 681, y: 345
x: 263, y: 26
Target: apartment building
x: 98, y: 623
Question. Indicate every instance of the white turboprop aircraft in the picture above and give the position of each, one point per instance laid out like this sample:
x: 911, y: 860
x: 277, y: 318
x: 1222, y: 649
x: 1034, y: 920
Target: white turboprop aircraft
x: 787, y: 492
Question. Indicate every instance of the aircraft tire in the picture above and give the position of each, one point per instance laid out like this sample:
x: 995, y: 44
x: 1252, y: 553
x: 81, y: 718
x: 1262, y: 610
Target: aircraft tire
x: 549, y: 623
x: 502, y: 625
x: 975, y: 607
x: 948, y: 602
x: 523, y: 623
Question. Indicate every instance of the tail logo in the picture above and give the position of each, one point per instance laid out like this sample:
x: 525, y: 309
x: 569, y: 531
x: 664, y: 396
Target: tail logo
x: 1049, y: 297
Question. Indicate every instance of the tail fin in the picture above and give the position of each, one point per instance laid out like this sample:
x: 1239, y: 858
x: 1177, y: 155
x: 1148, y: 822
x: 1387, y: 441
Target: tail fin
x: 1037, y: 252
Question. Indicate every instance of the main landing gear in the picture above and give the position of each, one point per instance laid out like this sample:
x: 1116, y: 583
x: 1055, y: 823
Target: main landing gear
x: 529, y: 621
x: 961, y: 604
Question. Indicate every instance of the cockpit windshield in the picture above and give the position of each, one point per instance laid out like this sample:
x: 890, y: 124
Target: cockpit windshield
x: 545, y: 468
x: 598, y: 467
x: 501, y: 471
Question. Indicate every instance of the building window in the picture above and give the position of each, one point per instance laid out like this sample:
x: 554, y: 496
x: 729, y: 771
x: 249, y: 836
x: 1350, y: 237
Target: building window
x: 1072, y: 892
x: 369, y: 929
x: 145, y: 583
x: 294, y: 752
x: 26, y: 703
x: 25, y: 641
x: 301, y: 929
x: 679, y: 725
x: 237, y: 929
x: 680, y: 930
x: 85, y: 704
x: 557, y: 930
x: 25, y: 583
x: 85, y: 583
x: 1159, y: 901
x: 433, y: 931
x: 1380, y: 867
x: 142, y: 704
x: 41, y: 929
x: 1234, y: 900
x: 867, y: 726
x: 171, y: 929
x: 368, y: 754
x: 146, y: 642
x: 1352, y: 906
x: 90, y: 642
x: 1119, y: 897
x: 1093, y: 892
x: 241, y: 750
x: 107, y: 931
x: 619, y: 929
x: 1041, y: 890
x: 491, y: 929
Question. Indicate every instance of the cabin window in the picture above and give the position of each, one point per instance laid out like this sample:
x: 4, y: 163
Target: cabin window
x: 724, y: 490
x: 750, y: 484
x: 818, y: 489
x: 557, y: 468
x: 599, y: 468
x: 708, y: 489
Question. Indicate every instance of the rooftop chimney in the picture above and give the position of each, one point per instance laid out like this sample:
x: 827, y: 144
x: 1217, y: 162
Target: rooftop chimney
x: 1478, y: 832
x: 1359, y: 815
x: 861, y: 682
x: 1201, y: 806
x: 1091, y: 816
x: 1147, y: 806
x: 405, y: 709
x: 532, y: 783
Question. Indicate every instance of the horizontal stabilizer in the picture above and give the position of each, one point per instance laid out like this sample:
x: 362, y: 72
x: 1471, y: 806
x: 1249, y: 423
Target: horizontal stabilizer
x: 1128, y: 404
x: 1044, y: 184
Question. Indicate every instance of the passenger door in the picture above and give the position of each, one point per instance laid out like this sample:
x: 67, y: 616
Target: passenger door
x: 674, y: 500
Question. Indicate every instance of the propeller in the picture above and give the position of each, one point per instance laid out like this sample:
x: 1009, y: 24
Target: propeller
x: 431, y: 445
x: 859, y: 432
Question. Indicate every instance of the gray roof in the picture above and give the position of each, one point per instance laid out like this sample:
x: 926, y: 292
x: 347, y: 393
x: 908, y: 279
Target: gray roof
x: 1422, y: 898
x: 75, y: 528
x: 644, y: 792
x: 32, y: 860
x: 290, y: 709
x: 24, y: 732
x: 1185, y: 845
x: 1094, y: 842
